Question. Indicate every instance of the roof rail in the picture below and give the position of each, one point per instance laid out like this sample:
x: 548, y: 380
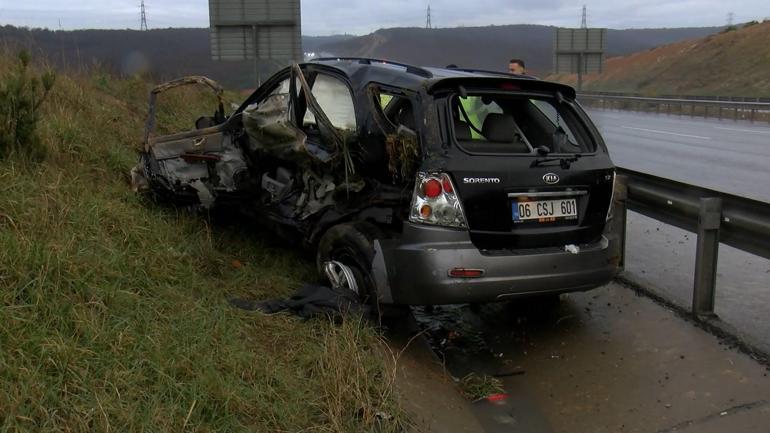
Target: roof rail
x: 484, y: 71
x: 368, y: 61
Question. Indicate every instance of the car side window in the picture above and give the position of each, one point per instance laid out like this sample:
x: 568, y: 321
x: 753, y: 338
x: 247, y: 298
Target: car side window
x: 336, y: 100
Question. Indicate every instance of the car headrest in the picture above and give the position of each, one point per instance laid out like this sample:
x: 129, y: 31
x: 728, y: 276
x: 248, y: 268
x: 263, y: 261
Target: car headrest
x: 462, y: 130
x: 499, y: 128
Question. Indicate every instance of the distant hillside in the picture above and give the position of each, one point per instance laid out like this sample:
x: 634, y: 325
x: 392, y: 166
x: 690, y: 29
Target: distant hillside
x: 491, y: 47
x: 161, y: 53
x: 734, y: 63
x: 169, y: 53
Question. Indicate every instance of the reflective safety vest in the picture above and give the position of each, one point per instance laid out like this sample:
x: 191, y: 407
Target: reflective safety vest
x: 472, y: 106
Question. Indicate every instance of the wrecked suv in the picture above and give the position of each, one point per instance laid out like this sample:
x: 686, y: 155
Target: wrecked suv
x: 411, y: 185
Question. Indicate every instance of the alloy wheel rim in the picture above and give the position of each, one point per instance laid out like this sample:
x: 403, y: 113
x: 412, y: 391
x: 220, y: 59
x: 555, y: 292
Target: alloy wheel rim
x: 340, y: 276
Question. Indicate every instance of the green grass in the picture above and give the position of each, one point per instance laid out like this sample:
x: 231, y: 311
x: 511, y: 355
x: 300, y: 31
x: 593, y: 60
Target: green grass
x: 113, y: 312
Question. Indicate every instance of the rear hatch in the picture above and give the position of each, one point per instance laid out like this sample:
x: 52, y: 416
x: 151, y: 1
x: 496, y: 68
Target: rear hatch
x: 531, y: 170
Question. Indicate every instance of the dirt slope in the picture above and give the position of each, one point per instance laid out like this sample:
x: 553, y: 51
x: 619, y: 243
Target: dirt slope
x: 735, y: 63
x: 491, y: 47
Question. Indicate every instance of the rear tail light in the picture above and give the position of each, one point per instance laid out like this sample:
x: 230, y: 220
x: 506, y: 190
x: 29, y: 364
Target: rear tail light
x: 435, y: 201
x: 431, y: 188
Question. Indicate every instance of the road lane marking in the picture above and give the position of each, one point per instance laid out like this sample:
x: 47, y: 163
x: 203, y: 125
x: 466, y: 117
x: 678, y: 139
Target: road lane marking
x: 666, y: 132
x: 742, y: 130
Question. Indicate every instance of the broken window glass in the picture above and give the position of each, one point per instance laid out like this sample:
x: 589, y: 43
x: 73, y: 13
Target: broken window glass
x: 478, y: 108
x: 397, y: 121
x: 504, y: 123
x: 335, y: 99
x: 282, y: 87
x: 550, y: 112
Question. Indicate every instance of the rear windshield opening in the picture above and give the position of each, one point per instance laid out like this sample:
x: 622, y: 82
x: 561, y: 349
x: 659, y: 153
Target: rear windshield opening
x: 497, y: 123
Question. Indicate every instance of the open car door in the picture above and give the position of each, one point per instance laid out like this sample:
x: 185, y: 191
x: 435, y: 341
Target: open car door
x: 196, y: 166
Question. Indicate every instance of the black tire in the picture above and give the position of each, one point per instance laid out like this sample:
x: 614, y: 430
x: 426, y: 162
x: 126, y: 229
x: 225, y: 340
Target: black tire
x: 353, y: 245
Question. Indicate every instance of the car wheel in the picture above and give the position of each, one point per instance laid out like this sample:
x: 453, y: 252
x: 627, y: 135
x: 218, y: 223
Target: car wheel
x: 344, y: 257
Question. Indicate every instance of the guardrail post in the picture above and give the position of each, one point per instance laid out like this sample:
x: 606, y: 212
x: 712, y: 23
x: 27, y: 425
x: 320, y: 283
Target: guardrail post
x: 706, y: 255
x: 620, y: 215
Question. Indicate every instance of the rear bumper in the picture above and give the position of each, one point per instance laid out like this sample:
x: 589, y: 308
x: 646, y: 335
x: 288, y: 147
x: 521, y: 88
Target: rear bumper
x: 415, y: 268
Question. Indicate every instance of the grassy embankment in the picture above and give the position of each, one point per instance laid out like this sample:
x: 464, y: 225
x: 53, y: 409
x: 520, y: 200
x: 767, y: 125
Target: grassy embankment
x: 113, y: 313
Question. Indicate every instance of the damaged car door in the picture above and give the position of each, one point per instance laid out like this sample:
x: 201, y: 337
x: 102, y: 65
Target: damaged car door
x: 197, y: 166
x: 285, y: 152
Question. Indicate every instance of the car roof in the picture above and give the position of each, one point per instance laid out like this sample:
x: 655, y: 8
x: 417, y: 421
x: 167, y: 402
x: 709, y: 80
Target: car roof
x: 362, y: 71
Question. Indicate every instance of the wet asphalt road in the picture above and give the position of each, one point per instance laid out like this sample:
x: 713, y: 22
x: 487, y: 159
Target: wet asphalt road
x: 606, y: 360
x: 726, y: 155
x: 661, y: 257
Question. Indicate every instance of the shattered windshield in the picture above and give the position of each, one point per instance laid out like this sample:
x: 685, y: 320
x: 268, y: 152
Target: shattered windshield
x: 491, y: 123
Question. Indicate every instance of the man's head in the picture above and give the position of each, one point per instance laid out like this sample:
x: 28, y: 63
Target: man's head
x: 516, y: 66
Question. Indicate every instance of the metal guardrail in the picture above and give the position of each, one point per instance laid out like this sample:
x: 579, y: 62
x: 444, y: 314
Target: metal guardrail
x: 715, y: 216
x: 752, y: 110
x: 686, y: 97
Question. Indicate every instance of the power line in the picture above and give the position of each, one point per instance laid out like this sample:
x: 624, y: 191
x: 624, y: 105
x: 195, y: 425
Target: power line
x: 584, y: 20
x: 428, y: 25
x: 143, y: 25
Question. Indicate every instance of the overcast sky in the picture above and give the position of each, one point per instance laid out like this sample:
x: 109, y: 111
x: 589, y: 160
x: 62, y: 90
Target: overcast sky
x: 324, y: 17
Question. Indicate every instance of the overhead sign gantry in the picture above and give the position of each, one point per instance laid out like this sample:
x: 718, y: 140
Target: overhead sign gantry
x: 255, y: 30
x: 579, y: 51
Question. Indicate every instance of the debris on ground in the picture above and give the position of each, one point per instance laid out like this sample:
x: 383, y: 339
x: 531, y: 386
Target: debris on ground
x: 310, y: 300
x: 477, y: 387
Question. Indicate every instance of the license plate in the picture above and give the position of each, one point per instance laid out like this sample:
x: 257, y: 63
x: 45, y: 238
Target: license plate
x: 544, y: 210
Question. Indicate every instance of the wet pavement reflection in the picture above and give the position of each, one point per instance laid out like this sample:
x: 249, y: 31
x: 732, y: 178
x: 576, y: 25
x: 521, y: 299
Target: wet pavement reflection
x: 607, y: 360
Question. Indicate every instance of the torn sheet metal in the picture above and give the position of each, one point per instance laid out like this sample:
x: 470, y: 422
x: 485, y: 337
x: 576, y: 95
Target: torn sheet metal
x: 300, y: 177
x: 270, y: 129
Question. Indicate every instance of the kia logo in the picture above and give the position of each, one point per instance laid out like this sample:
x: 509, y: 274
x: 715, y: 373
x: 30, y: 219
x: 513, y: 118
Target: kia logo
x: 551, y: 178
